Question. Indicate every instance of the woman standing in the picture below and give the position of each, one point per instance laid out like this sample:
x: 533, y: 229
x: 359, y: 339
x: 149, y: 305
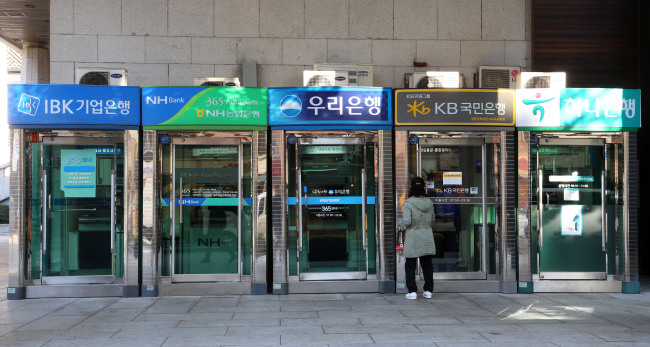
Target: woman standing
x: 418, y: 239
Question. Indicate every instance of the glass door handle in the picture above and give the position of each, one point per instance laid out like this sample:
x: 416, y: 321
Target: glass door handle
x: 363, y: 208
x: 113, y: 211
x: 180, y: 201
x: 299, y: 210
x: 540, y: 198
x: 44, y: 211
x: 603, y: 200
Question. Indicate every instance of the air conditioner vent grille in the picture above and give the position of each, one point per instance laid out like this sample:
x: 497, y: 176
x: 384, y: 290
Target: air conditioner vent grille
x: 95, y: 78
x: 430, y: 82
x: 495, y: 78
x: 212, y: 84
x: 320, y: 81
x: 539, y: 82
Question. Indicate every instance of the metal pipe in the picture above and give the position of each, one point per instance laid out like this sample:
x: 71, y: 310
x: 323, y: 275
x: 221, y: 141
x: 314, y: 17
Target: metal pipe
x: 603, y: 209
x: 180, y: 201
x: 112, y: 211
x: 363, y: 209
x: 485, y: 239
x: 540, y: 178
x: 299, y: 209
x: 44, y: 211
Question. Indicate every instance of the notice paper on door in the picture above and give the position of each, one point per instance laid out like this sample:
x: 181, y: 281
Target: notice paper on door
x: 571, y: 194
x: 452, y: 178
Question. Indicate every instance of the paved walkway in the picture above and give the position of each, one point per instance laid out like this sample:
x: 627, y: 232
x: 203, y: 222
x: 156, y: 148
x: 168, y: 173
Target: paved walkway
x: 328, y: 320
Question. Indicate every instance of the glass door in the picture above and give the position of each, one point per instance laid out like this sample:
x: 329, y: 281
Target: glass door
x: 463, y: 193
x: 205, y: 211
x: 334, y: 209
x: 82, y: 221
x: 570, y: 181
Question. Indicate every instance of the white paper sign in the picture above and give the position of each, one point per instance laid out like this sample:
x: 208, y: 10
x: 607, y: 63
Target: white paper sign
x: 571, y: 194
x: 571, y: 220
x: 452, y: 178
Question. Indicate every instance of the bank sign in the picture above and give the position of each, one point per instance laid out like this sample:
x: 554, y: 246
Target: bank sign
x: 579, y: 108
x: 330, y: 106
x: 61, y: 106
x: 485, y: 107
x: 201, y: 107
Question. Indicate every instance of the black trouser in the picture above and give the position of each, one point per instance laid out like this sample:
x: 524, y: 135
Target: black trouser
x: 427, y: 271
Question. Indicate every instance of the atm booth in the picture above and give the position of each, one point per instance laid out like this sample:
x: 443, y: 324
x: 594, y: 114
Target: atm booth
x: 75, y: 182
x: 204, y: 187
x: 577, y: 186
x: 331, y: 177
x: 461, y: 142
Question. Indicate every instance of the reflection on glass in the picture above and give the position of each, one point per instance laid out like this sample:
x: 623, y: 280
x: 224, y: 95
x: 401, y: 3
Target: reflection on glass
x: 331, y: 193
x: 207, y: 209
x: 571, y: 207
x: 78, y: 216
x: 455, y: 185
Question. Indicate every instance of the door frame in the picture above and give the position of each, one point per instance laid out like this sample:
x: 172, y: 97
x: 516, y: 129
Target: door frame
x: 333, y: 139
x: 71, y: 141
x: 466, y: 142
x: 181, y: 140
x: 578, y: 141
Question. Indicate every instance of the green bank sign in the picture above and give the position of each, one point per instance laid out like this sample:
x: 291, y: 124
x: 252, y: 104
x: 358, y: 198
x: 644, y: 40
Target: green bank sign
x: 204, y: 108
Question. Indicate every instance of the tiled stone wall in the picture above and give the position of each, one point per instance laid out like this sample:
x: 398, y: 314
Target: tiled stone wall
x: 169, y: 42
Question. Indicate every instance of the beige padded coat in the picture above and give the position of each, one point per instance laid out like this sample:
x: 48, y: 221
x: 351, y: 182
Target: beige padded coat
x: 417, y: 218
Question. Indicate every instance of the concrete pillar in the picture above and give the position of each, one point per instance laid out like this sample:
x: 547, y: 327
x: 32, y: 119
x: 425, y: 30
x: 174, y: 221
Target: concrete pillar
x: 36, y: 64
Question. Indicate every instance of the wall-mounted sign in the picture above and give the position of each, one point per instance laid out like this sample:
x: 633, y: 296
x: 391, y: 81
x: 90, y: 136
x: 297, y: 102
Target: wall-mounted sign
x: 200, y: 107
x: 72, y: 106
x: 486, y: 107
x: 579, y: 108
x: 325, y: 106
x: 78, y: 177
x: 571, y: 220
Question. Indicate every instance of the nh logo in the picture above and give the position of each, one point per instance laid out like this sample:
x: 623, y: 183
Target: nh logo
x: 156, y: 100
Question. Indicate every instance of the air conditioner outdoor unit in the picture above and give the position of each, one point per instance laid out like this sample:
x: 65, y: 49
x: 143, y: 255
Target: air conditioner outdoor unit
x: 529, y: 80
x: 311, y: 78
x: 434, y: 79
x: 494, y: 77
x: 216, y: 81
x: 349, y: 74
x: 101, y: 76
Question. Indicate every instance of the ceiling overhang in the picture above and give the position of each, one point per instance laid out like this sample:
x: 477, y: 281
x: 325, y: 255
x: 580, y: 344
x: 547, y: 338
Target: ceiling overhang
x: 24, y: 21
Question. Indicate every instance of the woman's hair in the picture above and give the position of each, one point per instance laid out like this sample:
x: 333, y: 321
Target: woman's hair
x: 417, y: 187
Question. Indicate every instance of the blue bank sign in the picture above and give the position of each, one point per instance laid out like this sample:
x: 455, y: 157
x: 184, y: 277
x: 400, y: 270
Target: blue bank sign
x: 73, y: 106
x: 330, y: 106
x: 579, y: 108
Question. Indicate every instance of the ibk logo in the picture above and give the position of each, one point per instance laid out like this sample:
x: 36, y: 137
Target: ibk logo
x: 28, y: 104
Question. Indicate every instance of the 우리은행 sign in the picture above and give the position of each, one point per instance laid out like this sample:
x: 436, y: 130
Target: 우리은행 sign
x: 327, y: 106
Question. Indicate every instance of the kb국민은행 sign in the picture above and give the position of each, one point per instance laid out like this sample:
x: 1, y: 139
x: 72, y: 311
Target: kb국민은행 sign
x: 485, y: 107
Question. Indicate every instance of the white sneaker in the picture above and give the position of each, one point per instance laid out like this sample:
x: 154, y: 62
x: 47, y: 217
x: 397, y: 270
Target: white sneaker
x: 412, y: 296
x: 426, y: 295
